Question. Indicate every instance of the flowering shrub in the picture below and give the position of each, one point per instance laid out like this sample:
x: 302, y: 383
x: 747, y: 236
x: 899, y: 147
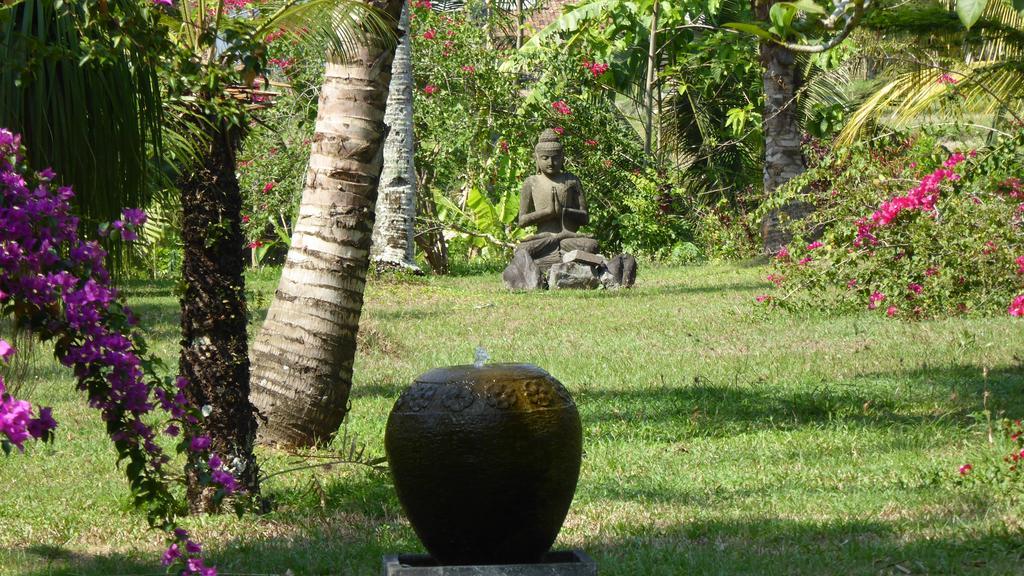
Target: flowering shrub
x: 478, y: 116
x: 275, y: 151
x: 55, y: 284
x: 910, y: 231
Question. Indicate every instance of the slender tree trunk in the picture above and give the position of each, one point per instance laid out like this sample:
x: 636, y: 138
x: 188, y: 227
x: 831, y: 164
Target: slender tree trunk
x: 303, y: 355
x: 520, y: 23
x: 394, y: 244
x: 782, y: 137
x: 214, y: 352
x: 430, y: 239
x: 652, y: 75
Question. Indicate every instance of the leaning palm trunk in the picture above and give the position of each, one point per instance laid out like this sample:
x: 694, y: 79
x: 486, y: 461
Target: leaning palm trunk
x: 782, y: 139
x: 302, y: 358
x: 394, y: 243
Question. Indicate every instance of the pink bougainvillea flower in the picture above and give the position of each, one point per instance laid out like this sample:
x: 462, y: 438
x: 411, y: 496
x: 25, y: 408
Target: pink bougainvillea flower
x: 989, y: 248
x: 1017, y: 306
x: 269, y: 186
x: 851, y: 283
x: 255, y: 244
x: 1020, y: 264
x: 965, y: 469
x: 775, y: 279
x: 954, y: 159
x: 245, y: 219
x: 596, y: 68
x: 430, y: 34
x: 429, y: 89
x: 559, y: 130
x: 199, y: 443
x: 561, y: 107
x: 931, y: 272
x: 6, y: 350
x: 782, y: 254
x: 814, y: 245
x: 591, y: 143
x: 763, y: 298
x: 171, y: 554
x: 915, y: 288
x: 805, y: 261
x: 14, y: 418
x: 946, y: 79
x: 875, y: 299
x: 468, y: 69
x: 39, y: 427
x: 503, y: 144
x: 890, y: 311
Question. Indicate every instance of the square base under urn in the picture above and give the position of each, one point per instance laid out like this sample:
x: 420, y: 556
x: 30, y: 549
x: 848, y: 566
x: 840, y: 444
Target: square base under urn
x: 556, y: 563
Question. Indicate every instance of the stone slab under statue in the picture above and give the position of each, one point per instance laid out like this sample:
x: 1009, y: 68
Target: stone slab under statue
x: 558, y: 255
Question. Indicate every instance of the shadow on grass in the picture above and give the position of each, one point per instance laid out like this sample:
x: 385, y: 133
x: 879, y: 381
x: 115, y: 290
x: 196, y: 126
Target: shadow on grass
x: 343, y: 545
x: 778, y: 546
x: 705, y: 408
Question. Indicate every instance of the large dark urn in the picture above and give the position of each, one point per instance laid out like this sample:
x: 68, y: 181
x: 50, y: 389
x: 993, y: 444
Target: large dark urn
x: 485, y: 461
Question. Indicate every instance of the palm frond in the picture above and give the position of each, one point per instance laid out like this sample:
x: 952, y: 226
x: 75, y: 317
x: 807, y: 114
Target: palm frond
x: 95, y: 121
x: 342, y: 26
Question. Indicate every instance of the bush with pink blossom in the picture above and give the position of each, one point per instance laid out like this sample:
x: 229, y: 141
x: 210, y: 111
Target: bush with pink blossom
x: 54, y: 284
x: 907, y: 229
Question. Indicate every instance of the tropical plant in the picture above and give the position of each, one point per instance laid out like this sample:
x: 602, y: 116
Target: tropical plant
x: 945, y: 70
x: 483, y: 228
x: 79, y: 81
x: 908, y: 230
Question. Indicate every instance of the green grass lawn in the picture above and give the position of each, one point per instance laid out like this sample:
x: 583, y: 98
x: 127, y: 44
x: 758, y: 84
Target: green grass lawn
x: 719, y: 438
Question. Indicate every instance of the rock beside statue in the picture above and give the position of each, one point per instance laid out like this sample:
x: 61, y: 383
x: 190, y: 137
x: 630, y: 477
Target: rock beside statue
x: 578, y: 270
x: 622, y: 268
x: 522, y: 273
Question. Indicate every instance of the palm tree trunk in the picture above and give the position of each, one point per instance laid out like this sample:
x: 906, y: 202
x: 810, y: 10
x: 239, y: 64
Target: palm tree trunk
x: 782, y: 139
x: 214, y: 351
x: 394, y: 243
x: 304, y: 353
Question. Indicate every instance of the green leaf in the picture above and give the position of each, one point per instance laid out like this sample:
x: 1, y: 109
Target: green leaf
x: 485, y: 217
x: 1018, y: 5
x: 809, y: 6
x: 970, y: 11
x: 749, y: 29
x: 782, y: 15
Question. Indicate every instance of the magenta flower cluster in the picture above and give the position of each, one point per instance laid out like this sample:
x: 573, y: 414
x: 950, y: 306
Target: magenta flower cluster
x: 595, y: 68
x: 868, y: 241
x: 57, y: 282
x: 16, y: 421
x: 922, y: 197
x: 561, y: 107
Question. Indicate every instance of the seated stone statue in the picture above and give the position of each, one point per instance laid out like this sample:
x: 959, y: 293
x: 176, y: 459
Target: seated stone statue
x: 553, y: 201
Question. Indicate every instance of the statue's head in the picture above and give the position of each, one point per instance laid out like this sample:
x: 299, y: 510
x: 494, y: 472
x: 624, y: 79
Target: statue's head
x: 548, y: 153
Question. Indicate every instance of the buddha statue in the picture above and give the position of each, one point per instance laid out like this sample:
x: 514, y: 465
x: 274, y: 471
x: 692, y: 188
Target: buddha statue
x: 553, y: 201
